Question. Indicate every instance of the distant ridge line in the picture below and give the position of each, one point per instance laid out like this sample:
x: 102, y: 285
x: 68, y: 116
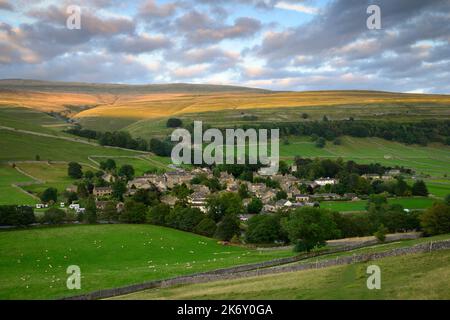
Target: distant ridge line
x: 86, y: 87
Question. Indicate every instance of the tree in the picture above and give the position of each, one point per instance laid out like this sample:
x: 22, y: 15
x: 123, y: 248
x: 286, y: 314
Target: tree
x: 16, y: 215
x: 89, y: 175
x: 91, y: 210
x: 181, y: 192
x: 134, y: 212
x: 255, y: 206
x: 146, y: 196
x: 109, y: 212
x: 82, y: 190
x: 74, y: 170
x: 320, y: 143
x: 189, y: 218
x: 436, y: 220
x: 419, y: 188
x: 174, y: 123
x: 305, y: 116
x: 283, y: 167
x: 49, y: 194
x: 401, y: 187
x: 281, y: 195
x: 310, y: 227
x: 38, y: 157
x: 118, y: 189
x: 158, y: 214
x: 447, y: 200
x: 264, y: 228
x: 126, y: 171
x: 225, y: 204
x: 54, y: 216
x: 381, y: 233
x: 227, y: 228
x: 108, y: 165
x: 71, y: 197
x: 206, y: 227
x: 243, y: 191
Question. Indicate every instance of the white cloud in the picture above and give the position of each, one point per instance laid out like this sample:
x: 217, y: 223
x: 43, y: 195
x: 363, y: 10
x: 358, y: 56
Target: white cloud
x: 297, y: 7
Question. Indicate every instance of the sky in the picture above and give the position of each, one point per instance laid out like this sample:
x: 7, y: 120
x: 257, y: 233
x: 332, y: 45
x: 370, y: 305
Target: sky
x: 272, y: 44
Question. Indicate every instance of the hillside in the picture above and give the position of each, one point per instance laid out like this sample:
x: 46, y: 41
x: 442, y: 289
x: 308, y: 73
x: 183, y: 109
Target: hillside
x: 115, y: 106
x: 109, y: 256
x: 410, y: 276
x: 113, y: 88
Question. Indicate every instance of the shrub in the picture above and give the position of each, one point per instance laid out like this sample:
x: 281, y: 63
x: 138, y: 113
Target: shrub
x: 174, y: 123
x: 206, y: 227
x: 380, y: 234
x: 320, y: 143
x: 49, y: 194
x: 436, y: 220
x: 74, y: 170
x: 255, y: 206
x: 158, y: 214
x: 134, y: 212
x: 16, y: 215
x: 54, y: 216
x: 264, y: 229
x: 310, y: 227
x: 419, y: 188
x: 227, y: 228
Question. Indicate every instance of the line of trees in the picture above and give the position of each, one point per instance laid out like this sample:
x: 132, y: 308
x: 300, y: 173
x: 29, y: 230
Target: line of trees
x: 309, y: 227
x: 420, y: 132
x: 123, y: 139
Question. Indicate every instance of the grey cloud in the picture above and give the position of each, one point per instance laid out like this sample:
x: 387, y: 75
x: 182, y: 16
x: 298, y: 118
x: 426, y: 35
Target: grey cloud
x: 198, y: 28
x: 5, y: 5
x: 138, y: 44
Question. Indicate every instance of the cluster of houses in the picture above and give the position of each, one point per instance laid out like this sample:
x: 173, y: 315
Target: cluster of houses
x: 267, y: 195
x: 288, y: 183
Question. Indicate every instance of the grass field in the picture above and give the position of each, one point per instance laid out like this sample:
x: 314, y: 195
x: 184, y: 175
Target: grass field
x: 10, y: 194
x: 52, y: 175
x: 432, y: 160
x: 33, y: 262
x: 417, y: 276
x: 407, y: 203
x: 16, y: 146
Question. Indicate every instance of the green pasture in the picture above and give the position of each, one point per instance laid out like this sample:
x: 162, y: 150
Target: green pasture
x: 34, y: 261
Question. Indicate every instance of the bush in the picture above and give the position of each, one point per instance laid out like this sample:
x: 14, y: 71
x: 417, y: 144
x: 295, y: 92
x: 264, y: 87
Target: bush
x: 91, y: 210
x: 49, y: 194
x: 207, y: 227
x: 134, y: 212
x: 255, y: 206
x: 54, y: 216
x: 227, y: 228
x: 320, y: 143
x: 16, y: 215
x: 419, y: 188
x: 264, y: 229
x: 158, y: 214
x: 174, y: 123
x: 436, y: 220
x: 126, y: 171
x: 74, y: 170
x: 310, y: 227
x: 381, y: 233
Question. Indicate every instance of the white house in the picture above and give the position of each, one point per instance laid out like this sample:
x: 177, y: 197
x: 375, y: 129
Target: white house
x: 325, y: 181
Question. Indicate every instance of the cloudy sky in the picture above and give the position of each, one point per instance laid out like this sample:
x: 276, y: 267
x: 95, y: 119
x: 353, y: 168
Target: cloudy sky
x: 273, y: 44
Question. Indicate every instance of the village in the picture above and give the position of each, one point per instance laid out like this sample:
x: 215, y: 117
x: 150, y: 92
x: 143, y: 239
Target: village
x: 284, y: 194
